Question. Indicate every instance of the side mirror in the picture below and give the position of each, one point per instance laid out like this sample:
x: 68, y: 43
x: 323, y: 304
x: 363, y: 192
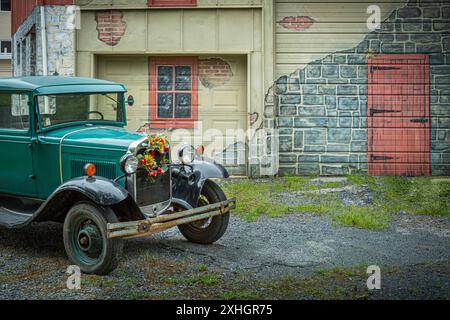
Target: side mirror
x: 130, y: 100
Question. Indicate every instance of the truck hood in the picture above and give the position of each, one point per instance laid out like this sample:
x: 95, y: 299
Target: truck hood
x: 94, y: 136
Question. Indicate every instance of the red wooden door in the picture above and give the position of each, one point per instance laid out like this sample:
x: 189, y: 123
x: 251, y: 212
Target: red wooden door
x: 398, y: 115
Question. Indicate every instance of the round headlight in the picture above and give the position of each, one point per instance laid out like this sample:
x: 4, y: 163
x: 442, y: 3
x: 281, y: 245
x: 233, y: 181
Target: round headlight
x: 186, y: 154
x: 129, y: 164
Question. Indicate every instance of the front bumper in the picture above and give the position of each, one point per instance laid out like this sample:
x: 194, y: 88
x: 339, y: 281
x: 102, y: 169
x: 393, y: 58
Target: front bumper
x: 163, y: 222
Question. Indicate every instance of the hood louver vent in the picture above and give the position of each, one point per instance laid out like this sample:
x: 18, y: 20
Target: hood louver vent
x: 105, y: 169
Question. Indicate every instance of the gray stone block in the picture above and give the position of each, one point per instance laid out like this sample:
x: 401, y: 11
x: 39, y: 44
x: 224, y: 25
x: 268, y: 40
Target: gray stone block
x: 327, y: 89
x: 363, y: 46
x: 375, y: 45
x: 285, y: 143
x: 431, y: 12
x: 348, y: 103
x: 445, y: 12
x: 412, y: 25
x: 426, y: 37
x: 308, y: 168
x: 437, y: 58
x: 356, y: 59
x: 358, y: 146
x: 401, y: 37
x: 446, y: 45
x: 440, y: 70
x: 314, y: 71
x: 362, y: 71
x: 429, y: 48
x: 339, y: 135
x: 294, y: 84
x: 387, y: 38
x: 287, y: 170
x: 392, y: 48
x: 315, y: 137
x: 410, y: 47
x: 340, y: 59
x: 338, y: 81
x: 329, y: 170
x: 408, y: 12
x: 313, y: 100
x: 288, y: 158
x: 441, y: 25
x: 360, y: 135
x: 330, y: 71
x: 308, y: 158
x: 281, y: 85
x: 310, y: 122
x: 298, y: 139
x: 285, y: 131
x: 315, y: 148
x: 349, y: 71
x: 345, y: 119
x: 309, y: 89
x: 338, y: 148
x: 293, y: 98
x: 347, y: 90
x: 330, y: 102
x: 284, y: 122
x: 334, y: 159
x: 288, y: 110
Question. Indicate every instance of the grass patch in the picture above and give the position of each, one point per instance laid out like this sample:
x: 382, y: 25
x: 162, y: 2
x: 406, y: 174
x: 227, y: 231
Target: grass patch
x: 390, y: 195
x: 363, y: 217
x: 203, y: 279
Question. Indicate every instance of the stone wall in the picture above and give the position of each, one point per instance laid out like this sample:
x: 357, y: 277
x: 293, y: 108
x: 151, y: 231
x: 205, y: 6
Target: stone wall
x: 321, y: 110
x: 27, y: 43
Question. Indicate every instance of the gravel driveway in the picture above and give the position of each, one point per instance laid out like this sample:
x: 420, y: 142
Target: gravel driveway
x: 414, y: 251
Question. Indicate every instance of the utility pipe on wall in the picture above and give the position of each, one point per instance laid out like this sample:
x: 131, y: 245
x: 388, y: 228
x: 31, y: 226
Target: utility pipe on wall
x: 44, y: 54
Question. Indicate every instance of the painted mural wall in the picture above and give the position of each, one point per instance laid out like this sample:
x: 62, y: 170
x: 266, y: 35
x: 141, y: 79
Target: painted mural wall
x: 320, y: 107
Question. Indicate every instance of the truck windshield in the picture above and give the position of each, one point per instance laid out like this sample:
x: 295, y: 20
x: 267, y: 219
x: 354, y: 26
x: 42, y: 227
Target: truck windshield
x: 66, y: 108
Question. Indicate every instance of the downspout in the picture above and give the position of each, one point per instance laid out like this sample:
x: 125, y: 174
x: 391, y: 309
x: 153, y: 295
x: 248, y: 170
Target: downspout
x: 44, y: 54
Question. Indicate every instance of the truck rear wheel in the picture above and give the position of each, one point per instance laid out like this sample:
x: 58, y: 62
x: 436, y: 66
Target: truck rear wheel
x: 207, y: 231
x: 86, y: 241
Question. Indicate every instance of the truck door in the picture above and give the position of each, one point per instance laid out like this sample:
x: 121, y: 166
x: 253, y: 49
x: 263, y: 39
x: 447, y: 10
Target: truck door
x: 16, y: 162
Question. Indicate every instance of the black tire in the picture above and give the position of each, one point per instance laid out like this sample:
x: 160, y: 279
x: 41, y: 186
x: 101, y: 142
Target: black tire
x: 211, y: 193
x: 85, y: 239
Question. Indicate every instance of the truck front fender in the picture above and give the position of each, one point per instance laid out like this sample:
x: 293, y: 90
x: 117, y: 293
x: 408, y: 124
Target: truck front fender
x: 99, y: 190
x: 200, y: 171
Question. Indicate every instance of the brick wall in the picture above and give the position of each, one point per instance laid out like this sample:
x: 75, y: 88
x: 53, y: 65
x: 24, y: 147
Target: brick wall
x: 111, y: 26
x: 321, y: 110
x: 214, y: 72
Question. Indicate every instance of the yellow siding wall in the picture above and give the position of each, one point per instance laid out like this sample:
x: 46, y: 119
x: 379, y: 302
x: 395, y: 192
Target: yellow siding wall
x: 5, y: 68
x: 5, y: 25
x: 339, y: 25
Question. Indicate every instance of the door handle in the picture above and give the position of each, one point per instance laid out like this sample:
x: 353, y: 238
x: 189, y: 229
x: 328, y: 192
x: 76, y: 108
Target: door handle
x: 419, y: 120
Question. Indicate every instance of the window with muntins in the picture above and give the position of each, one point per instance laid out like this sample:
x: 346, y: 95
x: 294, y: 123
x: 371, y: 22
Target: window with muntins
x: 173, y: 92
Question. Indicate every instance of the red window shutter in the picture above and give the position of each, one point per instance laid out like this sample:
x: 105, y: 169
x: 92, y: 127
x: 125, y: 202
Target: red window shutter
x: 172, y: 3
x: 156, y: 120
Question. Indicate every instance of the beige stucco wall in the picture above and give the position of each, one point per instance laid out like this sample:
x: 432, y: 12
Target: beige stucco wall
x: 141, y: 4
x: 186, y: 32
x: 338, y: 25
x: 5, y: 25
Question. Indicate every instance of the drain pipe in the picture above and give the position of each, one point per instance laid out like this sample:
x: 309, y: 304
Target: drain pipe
x: 44, y: 54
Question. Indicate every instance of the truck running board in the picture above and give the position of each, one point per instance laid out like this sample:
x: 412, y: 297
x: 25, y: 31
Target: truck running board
x: 163, y: 222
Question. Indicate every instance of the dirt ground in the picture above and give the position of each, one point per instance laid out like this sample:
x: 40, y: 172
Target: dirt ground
x: 296, y: 256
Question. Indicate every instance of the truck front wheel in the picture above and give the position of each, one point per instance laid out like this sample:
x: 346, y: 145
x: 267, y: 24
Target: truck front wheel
x: 207, y: 231
x: 86, y: 241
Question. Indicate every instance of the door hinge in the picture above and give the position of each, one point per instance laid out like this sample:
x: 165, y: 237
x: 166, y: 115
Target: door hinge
x: 379, y: 158
x: 374, y: 110
x: 419, y: 120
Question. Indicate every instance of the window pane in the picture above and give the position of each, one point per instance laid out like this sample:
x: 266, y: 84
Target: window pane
x: 14, y: 111
x: 5, y: 47
x: 165, y: 79
x: 183, y: 105
x: 183, y: 78
x: 165, y: 105
x: 5, y: 5
x: 64, y: 108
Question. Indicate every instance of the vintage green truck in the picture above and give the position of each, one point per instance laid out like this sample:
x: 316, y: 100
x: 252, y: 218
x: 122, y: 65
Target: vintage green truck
x: 66, y: 156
